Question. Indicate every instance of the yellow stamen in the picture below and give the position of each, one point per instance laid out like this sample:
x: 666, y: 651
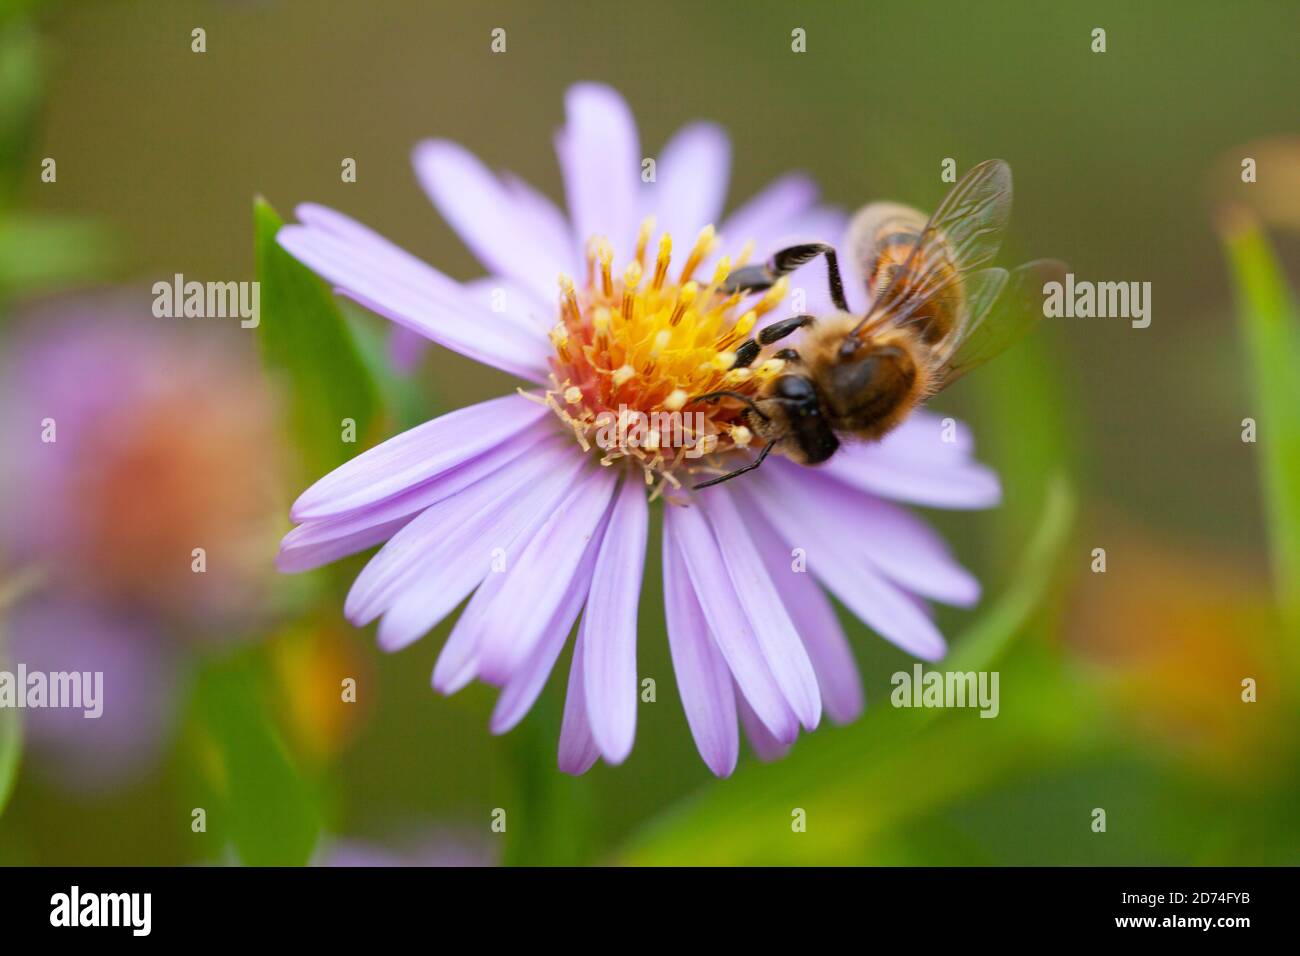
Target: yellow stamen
x: 720, y: 272
x: 684, y: 300
x: 746, y: 253
x: 662, y: 338
x: 641, y: 344
x: 560, y: 341
x: 643, y: 237
x: 773, y: 296
x: 703, y: 246
x: 569, y: 301
x: 591, y: 260
x: 631, y: 279
x: 606, y: 254
x: 745, y: 324
x: 661, y: 262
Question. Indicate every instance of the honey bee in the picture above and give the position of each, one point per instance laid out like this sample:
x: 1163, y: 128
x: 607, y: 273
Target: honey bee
x: 936, y: 313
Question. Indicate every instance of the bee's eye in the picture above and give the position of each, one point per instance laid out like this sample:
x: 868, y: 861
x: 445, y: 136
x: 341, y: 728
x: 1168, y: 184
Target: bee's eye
x: 794, y: 387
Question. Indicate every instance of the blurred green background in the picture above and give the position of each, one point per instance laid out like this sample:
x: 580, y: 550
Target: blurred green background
x: 1120, y: 690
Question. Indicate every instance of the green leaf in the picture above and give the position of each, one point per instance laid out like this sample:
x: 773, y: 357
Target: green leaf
x: 37, y: 253
x: 11, y: 752
x: 986, y: 641
x: 858, y: 783
x: 406, y: 403
x: 265, y: 807
x: 1268, y: 323
x: 550, y: 812
x: 307, y: 347
x: 14, y: 12
x: 11, y: 728
x: 43, y: 253
x: 20, y: 93
x: 1026, y: 434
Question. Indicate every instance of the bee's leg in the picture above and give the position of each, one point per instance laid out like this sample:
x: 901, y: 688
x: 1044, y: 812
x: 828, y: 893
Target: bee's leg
x: 756, y: 278
x: 779, y: 330
x: 775, y: 332
x: 787, y: 260
x: 767, y: 449
x: 749, y: 402
x: 746, y: 354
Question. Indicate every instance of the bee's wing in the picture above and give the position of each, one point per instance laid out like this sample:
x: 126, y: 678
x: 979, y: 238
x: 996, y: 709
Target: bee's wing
x: 873, y: 228
x: 995, y: 323
x: 963, y: 234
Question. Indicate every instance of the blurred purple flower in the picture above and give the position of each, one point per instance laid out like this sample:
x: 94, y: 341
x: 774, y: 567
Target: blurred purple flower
x: 128, y: 443
x: 126, y: 446
x: 138, y: 692
x: 501, y: 502
x: 439, y: 848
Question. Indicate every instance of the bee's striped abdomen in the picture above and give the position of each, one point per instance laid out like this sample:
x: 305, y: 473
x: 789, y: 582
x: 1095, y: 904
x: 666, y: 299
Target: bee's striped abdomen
x: 881, y: 239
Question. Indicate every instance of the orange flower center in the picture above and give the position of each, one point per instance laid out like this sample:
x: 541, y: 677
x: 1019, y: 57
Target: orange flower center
x: 634, y: 351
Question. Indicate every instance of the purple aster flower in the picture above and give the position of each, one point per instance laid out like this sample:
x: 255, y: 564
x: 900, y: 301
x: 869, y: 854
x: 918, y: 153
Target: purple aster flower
x: 535, y: 506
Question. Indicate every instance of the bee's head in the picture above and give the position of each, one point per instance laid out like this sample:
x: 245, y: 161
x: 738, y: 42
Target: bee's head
x: 795, y: 416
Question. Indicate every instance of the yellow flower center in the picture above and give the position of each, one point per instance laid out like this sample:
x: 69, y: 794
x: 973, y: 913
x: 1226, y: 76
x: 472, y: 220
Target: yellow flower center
x: 634, y: 351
